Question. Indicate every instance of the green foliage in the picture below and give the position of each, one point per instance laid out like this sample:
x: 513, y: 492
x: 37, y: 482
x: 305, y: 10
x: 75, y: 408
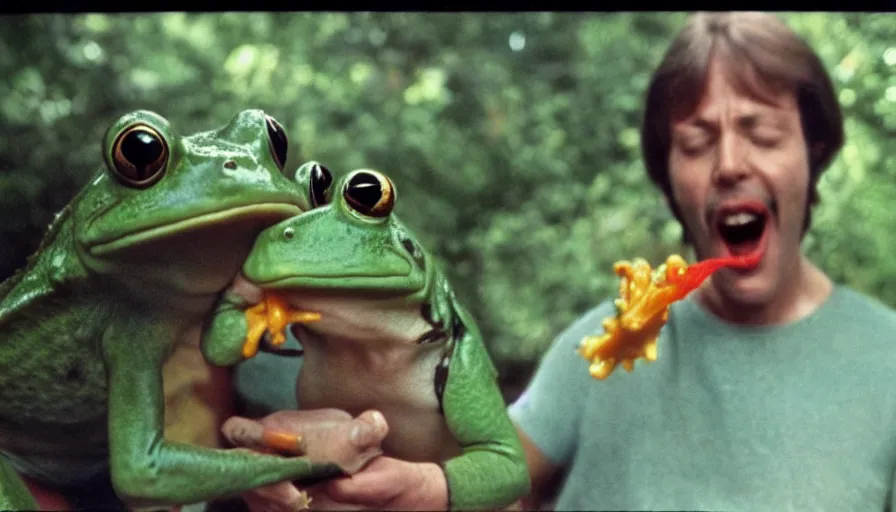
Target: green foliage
x: 512, y: 138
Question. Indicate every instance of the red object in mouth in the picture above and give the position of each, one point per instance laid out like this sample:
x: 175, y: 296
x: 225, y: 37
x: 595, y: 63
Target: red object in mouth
x: 744, y: 247
x: 694, y: 276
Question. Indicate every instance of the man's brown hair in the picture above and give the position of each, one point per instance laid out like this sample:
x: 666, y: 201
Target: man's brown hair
x: 764, y: 56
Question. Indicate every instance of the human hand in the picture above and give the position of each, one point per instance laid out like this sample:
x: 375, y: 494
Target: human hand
x: 387, y: 484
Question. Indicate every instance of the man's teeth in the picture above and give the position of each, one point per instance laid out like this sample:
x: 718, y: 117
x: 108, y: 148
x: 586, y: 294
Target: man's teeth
x: 739, y: 219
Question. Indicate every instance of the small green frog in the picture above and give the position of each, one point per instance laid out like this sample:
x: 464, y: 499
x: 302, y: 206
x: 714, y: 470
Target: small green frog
x: 130, y: 267
x: 387, y: 334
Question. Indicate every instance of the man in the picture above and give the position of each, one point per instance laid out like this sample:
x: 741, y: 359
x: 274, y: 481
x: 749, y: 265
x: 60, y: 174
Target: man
x: 772, y: 390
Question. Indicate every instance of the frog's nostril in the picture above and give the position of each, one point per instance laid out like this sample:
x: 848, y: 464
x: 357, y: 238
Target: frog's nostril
x: 289, y: 233
x: 230, y: 164
x: 412, y: 248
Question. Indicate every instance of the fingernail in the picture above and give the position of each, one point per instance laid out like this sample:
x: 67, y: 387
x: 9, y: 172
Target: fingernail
x: 379, y: 420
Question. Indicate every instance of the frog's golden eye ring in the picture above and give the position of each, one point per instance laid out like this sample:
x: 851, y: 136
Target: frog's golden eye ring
x: 277, y: 141
x: 320, y: 182
x: 370, y: 193
x: 139, y: 156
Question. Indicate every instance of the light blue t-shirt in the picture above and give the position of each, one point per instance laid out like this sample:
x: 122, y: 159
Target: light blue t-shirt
x: 795, y: 417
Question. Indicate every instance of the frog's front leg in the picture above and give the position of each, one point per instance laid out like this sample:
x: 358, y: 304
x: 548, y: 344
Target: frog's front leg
x: 491, y: 472
x: 238, y: 322
x: 14, y: 494
x: 234, y: 323
x: 146, y: 469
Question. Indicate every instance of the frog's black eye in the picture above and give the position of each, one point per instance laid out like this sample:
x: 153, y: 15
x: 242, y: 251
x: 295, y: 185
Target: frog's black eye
x: 320, y: 182
x: 139, y: 156
x: 370, y: 193
x: 277, y: 141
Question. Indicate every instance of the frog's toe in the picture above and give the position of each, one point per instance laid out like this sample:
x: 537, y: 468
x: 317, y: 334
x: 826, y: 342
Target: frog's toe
x: 294, y: 317
x: 256, y: 324
x: 303, y: 317
x: 602, y: 369
x: 650, y: 350
x: 277, y: 338
x: 253, y: 340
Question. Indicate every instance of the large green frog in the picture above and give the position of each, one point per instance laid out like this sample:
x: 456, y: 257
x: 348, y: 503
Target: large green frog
x: 391, y: 335
x: 125, y: 272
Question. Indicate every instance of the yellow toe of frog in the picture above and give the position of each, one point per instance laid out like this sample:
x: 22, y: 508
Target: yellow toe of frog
x: 272, y: 315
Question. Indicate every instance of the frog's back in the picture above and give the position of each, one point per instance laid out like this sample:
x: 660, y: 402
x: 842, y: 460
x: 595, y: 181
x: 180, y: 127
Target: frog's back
x: 52, y: 377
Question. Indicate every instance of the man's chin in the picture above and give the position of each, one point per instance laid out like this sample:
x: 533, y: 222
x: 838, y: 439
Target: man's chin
x: 739, y: 292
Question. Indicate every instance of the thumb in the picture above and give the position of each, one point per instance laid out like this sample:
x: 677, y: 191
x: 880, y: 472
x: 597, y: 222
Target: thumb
x: 394, y: 484
x: 378, y: 483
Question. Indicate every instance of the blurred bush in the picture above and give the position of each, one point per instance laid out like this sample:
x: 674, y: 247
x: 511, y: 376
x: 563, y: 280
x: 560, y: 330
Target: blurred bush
x: 512, y: 138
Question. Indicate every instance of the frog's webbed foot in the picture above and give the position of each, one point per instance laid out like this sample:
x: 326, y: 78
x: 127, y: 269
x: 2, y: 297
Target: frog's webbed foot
x: 326, y: 435
x: 290, y: 317
x: 605, y: 358
x: 641, y: 311
x: 271, y: 315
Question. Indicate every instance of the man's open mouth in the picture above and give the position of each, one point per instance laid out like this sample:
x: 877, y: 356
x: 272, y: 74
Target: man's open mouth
x: 742, y: 227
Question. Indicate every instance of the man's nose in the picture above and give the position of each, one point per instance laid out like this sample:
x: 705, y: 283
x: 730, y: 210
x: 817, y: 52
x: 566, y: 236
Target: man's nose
x: 731, y: 163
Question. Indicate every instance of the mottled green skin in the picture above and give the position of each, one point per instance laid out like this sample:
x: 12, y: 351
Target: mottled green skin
x: 334, y: 249
x: 122, y: 275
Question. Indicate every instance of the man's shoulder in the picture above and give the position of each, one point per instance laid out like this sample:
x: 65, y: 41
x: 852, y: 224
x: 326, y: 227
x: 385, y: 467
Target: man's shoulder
x: 860, y: 307
x: 587, y: 324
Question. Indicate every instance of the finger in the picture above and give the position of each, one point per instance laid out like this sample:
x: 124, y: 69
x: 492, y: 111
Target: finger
x: 393, y: 484
x: 321, y: 501
x: 282, y: 496
x: 370, y: 431
x: 377, y: 485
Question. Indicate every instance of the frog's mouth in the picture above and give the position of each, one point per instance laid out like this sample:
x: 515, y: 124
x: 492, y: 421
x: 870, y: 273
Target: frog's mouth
x: 383, y: 286
x: 263, y: 214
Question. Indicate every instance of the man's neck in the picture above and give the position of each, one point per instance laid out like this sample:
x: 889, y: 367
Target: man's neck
x: 807, y: 288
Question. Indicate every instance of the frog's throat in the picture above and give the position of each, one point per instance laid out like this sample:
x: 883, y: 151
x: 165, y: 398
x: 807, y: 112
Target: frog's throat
x: 277, y: 211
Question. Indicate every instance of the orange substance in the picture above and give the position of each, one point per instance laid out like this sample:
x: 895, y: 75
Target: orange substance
x: 272, y: 314
x: 643, y: 308
x: 282, y: 442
